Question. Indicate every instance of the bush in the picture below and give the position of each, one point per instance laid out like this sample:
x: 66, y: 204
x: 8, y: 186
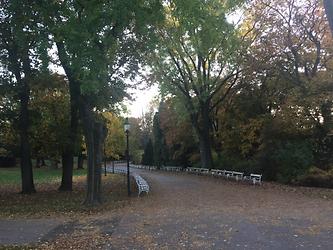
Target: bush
x: 232, y: 162
x: 136, y: 156
x: 316, y: 177
x: 285, y: 161
x: 6, y: 162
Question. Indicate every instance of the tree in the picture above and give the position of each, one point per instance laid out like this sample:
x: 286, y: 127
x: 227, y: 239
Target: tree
x: 196, y: 61
x: 287, y: 96
x: 115, y: 140
x: 95, y: 39
x: 180, y: 144
x: 159, y: 149
x: 22, y: 53
x: 329, y: 12
x: 148, y: 155
x: 50, y: 117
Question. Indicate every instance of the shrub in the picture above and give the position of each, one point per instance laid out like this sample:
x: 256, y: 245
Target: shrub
x: 284, y: 161
x: 316, y: 177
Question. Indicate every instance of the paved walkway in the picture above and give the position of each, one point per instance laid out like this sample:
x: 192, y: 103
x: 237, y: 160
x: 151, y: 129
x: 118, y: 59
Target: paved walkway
x: 194, y: 212
x: 27, y: 231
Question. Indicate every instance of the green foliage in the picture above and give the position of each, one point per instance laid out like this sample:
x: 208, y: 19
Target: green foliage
x: 148, y: 155
x: 160, y: 150
x: 115, y: 140
x: 180, y: 141
x: 136, y: 156
x: 50, y: 116
x: 285, y: 160
x: 316, y: 177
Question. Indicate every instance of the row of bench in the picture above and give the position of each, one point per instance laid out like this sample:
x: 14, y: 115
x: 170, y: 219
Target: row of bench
x: 140, y: 182
x: 254, y: 178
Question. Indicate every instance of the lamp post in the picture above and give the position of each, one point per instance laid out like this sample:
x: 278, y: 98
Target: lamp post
x: 127, y: 127
x: 104, y: 160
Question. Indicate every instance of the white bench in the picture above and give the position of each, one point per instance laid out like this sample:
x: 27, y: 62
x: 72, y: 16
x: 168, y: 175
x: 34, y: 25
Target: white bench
x: 214, y: 172
x: 172, y: 169
x: 237, y: 175
x: 227, y: 173
x: 142, y: 184
x: 256, y: 178
x: 120, y: 171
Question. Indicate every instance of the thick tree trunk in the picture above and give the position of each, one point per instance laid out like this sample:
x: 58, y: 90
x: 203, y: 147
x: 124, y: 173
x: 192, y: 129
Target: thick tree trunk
x: 329, y: 12
x: 67, y: 172
x: 99, y: 136
x: 88, y: 129
x: 26, y: 165
x: 68, y: 155
x: 80, y: 160
x: 38, y: 162
x: 94, y: 135
x: 203, y: 132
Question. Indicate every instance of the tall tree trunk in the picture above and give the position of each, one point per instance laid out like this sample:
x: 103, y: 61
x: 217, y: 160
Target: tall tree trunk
x: 28, y: 186
x: 203, y: 132
x: 67, y: 171
x: 80, y: 160
x: 99, y: 137
x: 88, y: 130
x: 38, y: 162
x: 68, y: 154
x: 329, y: 12
x: 93, y: 169
x: 95, y: 134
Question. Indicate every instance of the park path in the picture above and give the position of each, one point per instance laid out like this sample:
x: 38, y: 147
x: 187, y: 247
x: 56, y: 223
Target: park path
x: 195, y: 212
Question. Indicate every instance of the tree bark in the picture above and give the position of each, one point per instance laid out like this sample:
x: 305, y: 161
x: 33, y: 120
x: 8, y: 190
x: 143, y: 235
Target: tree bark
x: 99, y: 137
x: 88, y: 120
x: 95, y: 134
x: 203, y: 132
x: 80, y: 160
x: 67, y: 172
x: 329, y: 12
x: 88, y: 130
x: 38, y: 162
x: 68, y: 154
x: 28, y: 186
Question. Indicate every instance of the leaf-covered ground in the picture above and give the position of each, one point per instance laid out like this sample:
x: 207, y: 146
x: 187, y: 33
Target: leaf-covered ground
x: 194, y: 212
x: 49, y: 202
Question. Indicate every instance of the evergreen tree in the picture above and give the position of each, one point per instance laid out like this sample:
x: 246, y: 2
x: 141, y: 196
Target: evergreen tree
x: 148, y: 155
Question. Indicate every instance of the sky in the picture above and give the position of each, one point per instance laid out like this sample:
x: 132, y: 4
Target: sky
x: 142, y: 99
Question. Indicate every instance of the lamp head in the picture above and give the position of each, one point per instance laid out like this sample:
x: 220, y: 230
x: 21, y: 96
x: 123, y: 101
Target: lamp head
x: 127, y: 126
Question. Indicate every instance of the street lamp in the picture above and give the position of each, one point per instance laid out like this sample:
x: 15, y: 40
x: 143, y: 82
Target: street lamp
x: 127, y: 127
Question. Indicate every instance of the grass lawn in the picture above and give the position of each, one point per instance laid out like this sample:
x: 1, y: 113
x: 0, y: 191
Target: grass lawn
x: 48, y: 201
x: 41, y: 175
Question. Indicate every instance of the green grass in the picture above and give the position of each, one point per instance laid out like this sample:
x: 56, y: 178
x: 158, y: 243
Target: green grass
x: 12, y: 176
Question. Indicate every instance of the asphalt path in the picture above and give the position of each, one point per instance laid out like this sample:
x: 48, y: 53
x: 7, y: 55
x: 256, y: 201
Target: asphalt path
x: 185, y: 211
